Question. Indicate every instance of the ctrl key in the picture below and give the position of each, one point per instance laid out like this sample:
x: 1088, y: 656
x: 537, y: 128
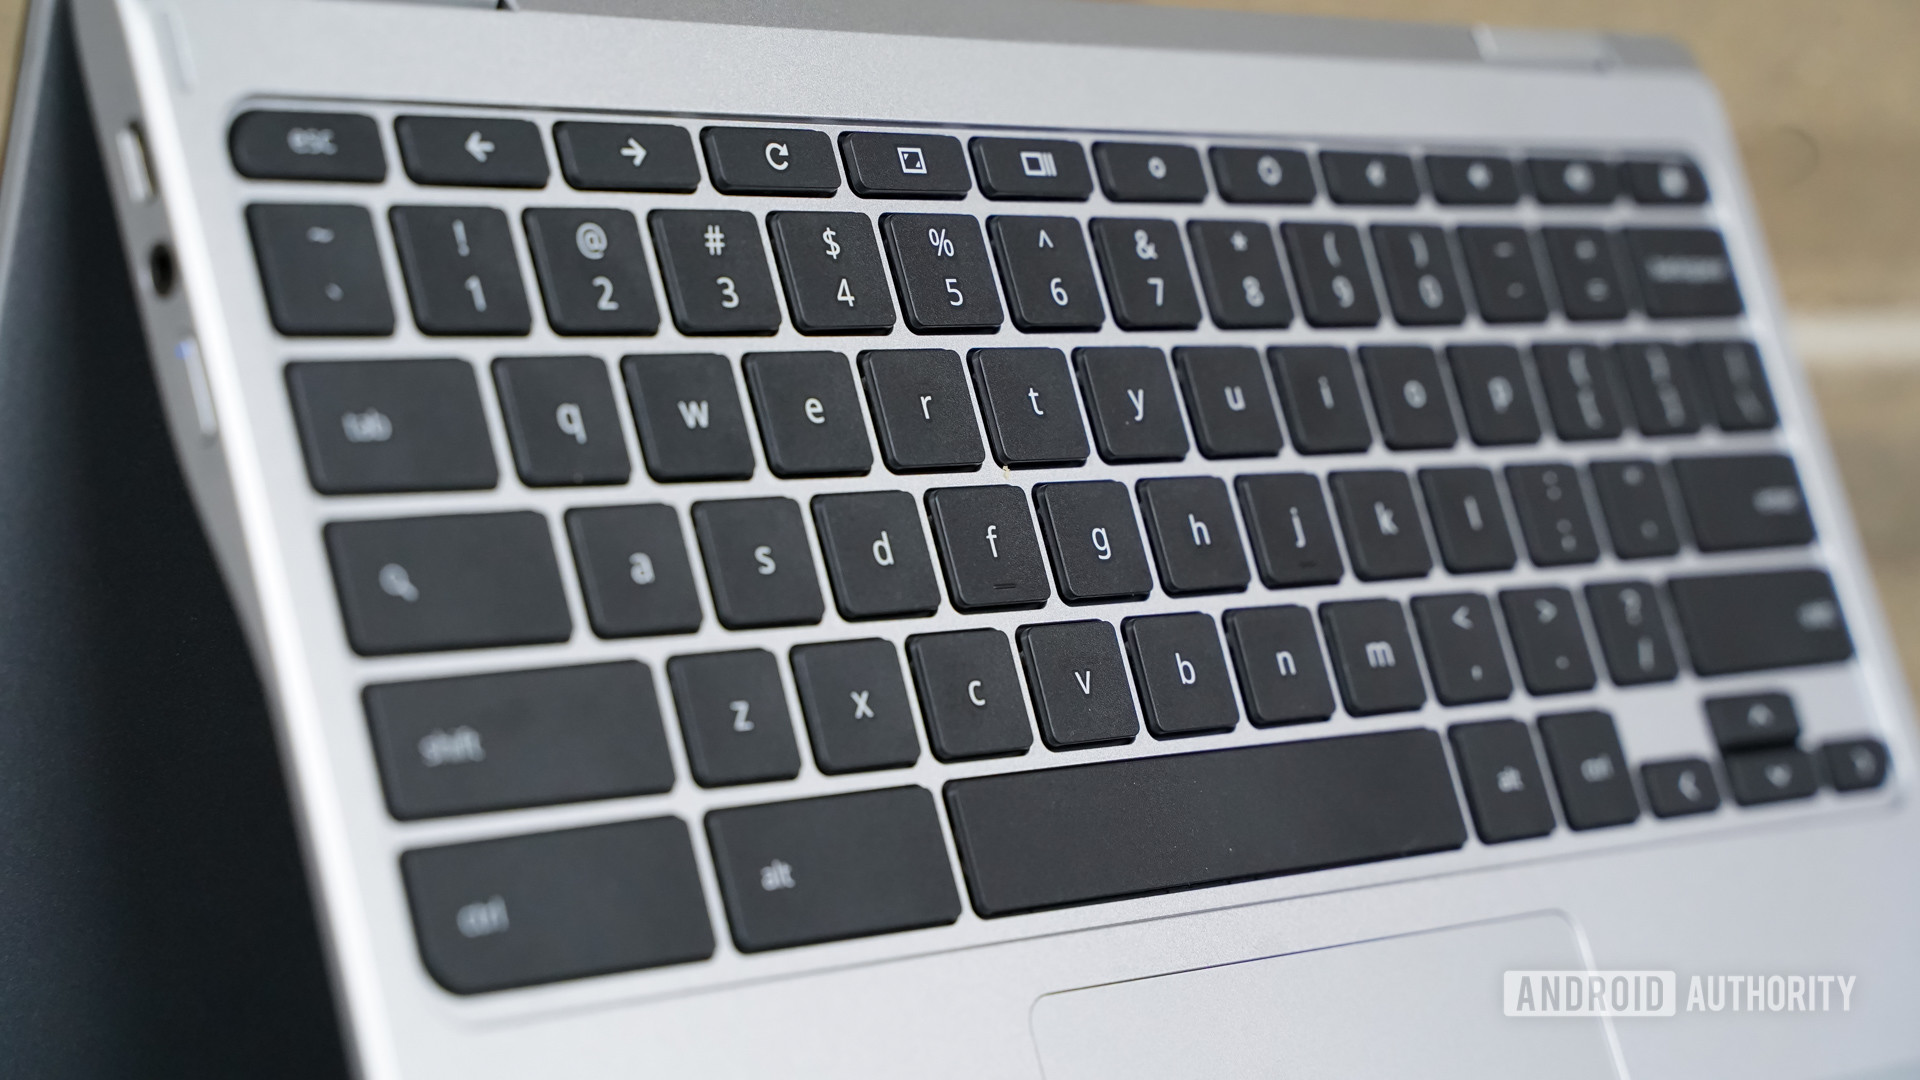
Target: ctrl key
x: 524, y: 910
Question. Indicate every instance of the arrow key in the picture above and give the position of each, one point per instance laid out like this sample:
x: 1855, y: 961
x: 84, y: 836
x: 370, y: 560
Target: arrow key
x: 469, y: 151
x: 627, y: 157
x: 1463, y: 648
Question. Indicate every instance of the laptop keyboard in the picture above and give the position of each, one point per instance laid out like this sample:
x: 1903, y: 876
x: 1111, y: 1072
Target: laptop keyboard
x: 1229, y: 467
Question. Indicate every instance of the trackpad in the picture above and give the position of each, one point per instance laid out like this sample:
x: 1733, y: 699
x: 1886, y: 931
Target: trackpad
x: 1424, y: 1004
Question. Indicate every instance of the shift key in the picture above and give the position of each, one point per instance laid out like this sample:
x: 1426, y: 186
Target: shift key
x: 1754, y: 622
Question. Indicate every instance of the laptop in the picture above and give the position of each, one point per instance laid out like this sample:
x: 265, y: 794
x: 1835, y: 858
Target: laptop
x: 1008, y: 539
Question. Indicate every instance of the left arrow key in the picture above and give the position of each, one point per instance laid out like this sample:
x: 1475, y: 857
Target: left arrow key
x: 472, y: 151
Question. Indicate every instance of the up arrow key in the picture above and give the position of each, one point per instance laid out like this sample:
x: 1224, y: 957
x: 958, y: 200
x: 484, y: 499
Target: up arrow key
x: 479, y: 147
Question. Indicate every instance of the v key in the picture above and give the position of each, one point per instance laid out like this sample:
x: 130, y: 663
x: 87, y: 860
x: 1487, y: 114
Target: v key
x: 1079, y: 683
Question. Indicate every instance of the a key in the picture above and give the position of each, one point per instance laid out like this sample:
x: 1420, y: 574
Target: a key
x: 1680, y: 787
x: 634, y: 570
x: 1255, y: 174
x: 733, y: 717
x: 1548, y: 641
x: 1505, y: 279
x: 1581, y: 398
x: 1079, y: 684
x: 941, y: 268
x: 1673, y: 182
x: 1047, y: 273
x: 1633, y: 632
x: 1464, y: 657
x: 1240, y: 272
x: 770, y: 161
x: 1293, y: 541
x: 1321, y: 398
x: 270, y: 144
x: 1228, y: 401
x: 856, y: 706
x: 1634, y: 503
x: 1737, y: 385
x: 320, y: 268
x: 1182, y: 674
x: 1590, y: 769
x: 922, y: 410
x: 1584, y: 268
x: 876, y: 554
x: 1494, y: 394
x: 1505, y: 790
x: 1145, y: 264
x: 626, y: 157
x: 809, y: 413
x: 1660, y: 386
x: 1749, y: 721
x: 1468, y: 519
x: 371, y: 426
x: 462, y: 275
x: 1683, y: 273
x: 1366, y: 178
x: 904, y: 165
x: 1330, y: 270
x: 1573, y: 180
x: 561, y: 420
x: 1416, y: 262
x: 472, y: 151
x: 1746, y: 501
x: 593, y: 271
x: 1757, y: 777
x: 1855, y: 764
x: 1377, y: 513
x: 988, y: 547
x: 1373, y: 656
x: 969, y: 694
x: 1756, y: 622
x: 1283, y: 677
x: 1032, y: 169
x: 462, y: 581
x: 687, y: 409
x: 1195, y: 540
x: 1553, y: 514
x: 1136, y: 415
x: 1149, y: 172
x: 1093, y: 541
x: 1408, y: 397
x: 759, y: 568
x: 716, y: 271
x: 1481, y: 180
x: 1033, y: 416
x: 831, y: 267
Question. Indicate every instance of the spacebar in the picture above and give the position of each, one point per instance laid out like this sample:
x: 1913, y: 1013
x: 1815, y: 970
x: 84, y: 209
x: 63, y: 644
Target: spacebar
x: 1055, y: 837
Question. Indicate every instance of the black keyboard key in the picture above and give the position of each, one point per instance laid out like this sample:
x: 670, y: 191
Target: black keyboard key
x: 1093, y: 541
x: 1586, y: 181
x: 1321, y: 398
x: 1047, y: 273
x: 1633, y: 500
x: 1032, y: 169
x: 496, y: 914
x: 1293, y: 540
x: 759, y: 568
x: 1365, y: 178
x: 1589, y: 278
x: 770, y: 161
x: 809, y: 413
x: 1079, y: 684
x: 904, y: 165
x: 321, y: 271
x: 462, y: 275
x: 1468, y: 519
x: 1581, y: 396
x: 988, y: 547
x: 634, y: 570
x: 1464, y: 656
x: 1330, y: 270
x: 1473, y: 181
x: 687, y: 409
x: 1505, y: 790
x: 1228, y: 401
x: 1855, y: 764
x: 1240, y: 271
x: 372, y: 426
x: 1033, y: 416
x: 1660, y: 386
x: 716, y: 271
x: 1054, y: 837
x: 514, y: 739
x: 626, y: 157
x: 843, y: 866
x: 1250, y: 174
x: 1283, y: 677
x: 969, y: 694
x: 941, y: 268
x: 1755, y: 622
x: 922, y: 410
x: 472, y: 151
x: 561, y: 420
x: 1683, y: 273
x: 1196, y: 542
x: 1505, y: 278
x: 1750, y: 721
x: 1136, y: 414
x: 1737, y: 385
x: 1494, y: 394
x: 876, y: 554
x: 1680, y: 787
x: 1150, y: 172
x: 1583, y: 749
x: 1381, y: 523
x: 1633, y: 632
x: 274, y: 145
x: 1553, y: 514
x: 1182, y: 674
x: 1675, y: 182
x: 1408, y: 397
x: 733, y: 717
x: 1416, y: 262
x: 1548, y: 641
x: 1758, y: 777
x: 856, y: 706
x: 1742, y: 502
x: 1373, y: 656
x: 593, y: 271
x: 1145, y: 263
x: 464, y: 581
x: 831, y: 267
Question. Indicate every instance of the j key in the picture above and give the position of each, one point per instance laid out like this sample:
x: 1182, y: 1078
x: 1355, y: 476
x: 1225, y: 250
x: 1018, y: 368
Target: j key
x: 988, y: 547
x: 1505, y: 279
x: 1047, y: 273
x: 1485, y: 181
x: 593, y: 271
x: 1293, y: 540
x: 1737, y: 385
x: 1665, y: 183
x: 733, y: 717
x: 464, y: 581
x: 1032, y: 169
x: 1548, y: 641
x: 1384, y: 536
x: 905, y: 165
x: 856, y: 706
x: 372, y: 426
x: 1464, y: 657
x: 634, y: 570
x: 1228, y: 401
x: 1373, y: 656
x: 1553, y: 514
x: 1145, y: 263
x: 320, y: 268
x: 561, y: 420
x: 1370, y: 178
x: 716, y: 271
x: 1588, y: 277
x: 1053, y: 837
x: 1079, y: 684
x: 1150, y: 172
x: 1683, y: 273
x: 1680, y: 787
x: 462, y: 275
x: 922, y: 410
x: 1033, y: 417
x: 1136, y: 414
x: 1744, y: 502
x: 1251, y: 174
x: 688, y: 411
x: 1283, y: 678
x: 1855, y: 764
x: 1634, y: 502
x: 496, y: 914
x: 809, y: 413
x: 1633, y: 632
x: 472, y: 151
x: 521, y: 738
x: 1765, y: 776
x: 1581, y: 398
x: 1240, y: 271
x: 759, y: 568
x: 1182, y: 674
x: 969, y: 694
x: 1416, y: 262
x: 941, y: 268
x: 1573, y: 180
x: 1505, y: 790
x: 1583, y: 749
x: 1494, y: 394
x: 340, y: 147
x: 1408, y: 397
x: 626, y: 157
x: 832, y: 271
x: 1321, y: 398
x: 770, y: 161
x: 796, y: 873
x: 876, y: 554
x: 1748, y: 721
x: 1660, y: 385
x: 1330, y: 270
x: 1093, y: 541
x: 1468, y: 519
x: 1754, y: 622
x: 1196, y: 542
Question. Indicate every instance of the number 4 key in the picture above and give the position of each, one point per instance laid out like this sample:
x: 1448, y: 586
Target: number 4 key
x: 830, y: 265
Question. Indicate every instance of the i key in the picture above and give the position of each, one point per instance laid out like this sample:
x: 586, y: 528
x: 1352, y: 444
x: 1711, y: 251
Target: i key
x: 1321, y: 399
x: 1145, y: 263
x: 1094, y: 542
x: 1049, y: 278
x: 941, y: 268
x: 716, y: 271
x: 831, y: 267
x: 593, y: 271
x: 922, y: 410
x: 462, y: 275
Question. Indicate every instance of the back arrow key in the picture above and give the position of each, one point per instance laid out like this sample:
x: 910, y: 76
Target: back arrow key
x: 479, y: 147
